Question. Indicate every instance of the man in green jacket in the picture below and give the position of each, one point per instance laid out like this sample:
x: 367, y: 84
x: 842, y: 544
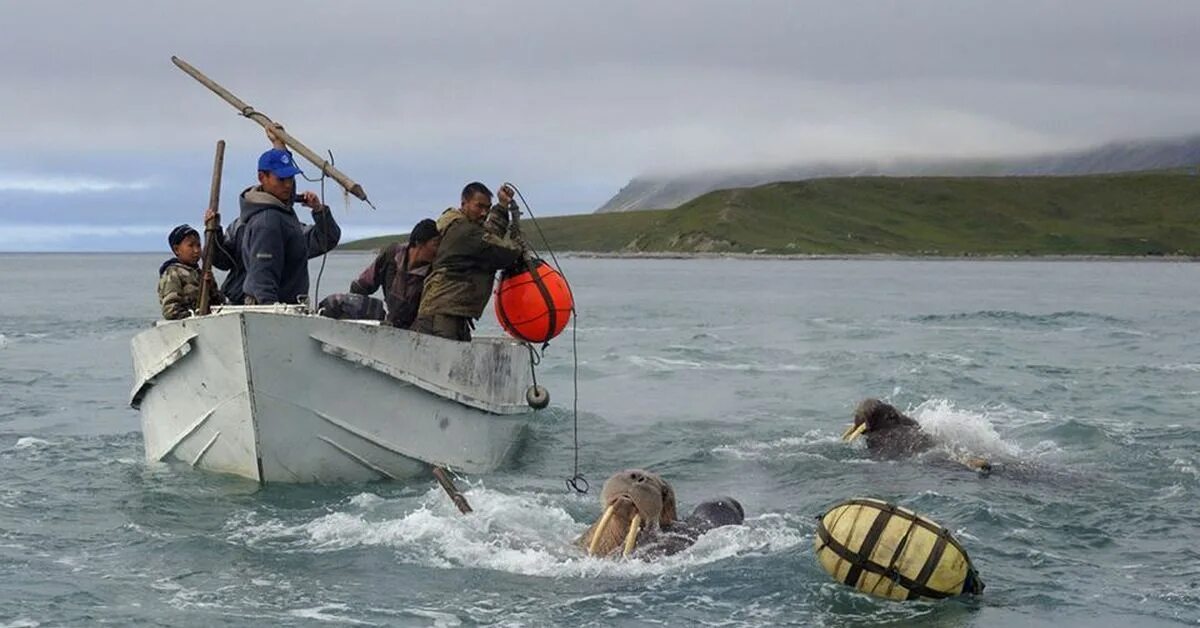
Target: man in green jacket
x: 475, y: 244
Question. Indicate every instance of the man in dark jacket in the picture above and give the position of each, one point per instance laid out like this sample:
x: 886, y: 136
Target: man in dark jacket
x: 475, y: 244
x: 401, y: 269
x: 227, y: 257
x: 273, y: 245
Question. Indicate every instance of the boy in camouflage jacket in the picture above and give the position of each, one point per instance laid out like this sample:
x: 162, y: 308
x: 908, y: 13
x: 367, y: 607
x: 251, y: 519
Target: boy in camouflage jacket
x: 179, y: 277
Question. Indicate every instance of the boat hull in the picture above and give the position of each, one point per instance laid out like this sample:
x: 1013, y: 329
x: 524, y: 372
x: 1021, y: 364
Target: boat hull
x: 279, y: 396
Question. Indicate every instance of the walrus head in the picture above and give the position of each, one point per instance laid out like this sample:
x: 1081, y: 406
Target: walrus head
x: 873, y: 415
x: 635, y: 501
x: 725, y: 511
x: 892, y: 434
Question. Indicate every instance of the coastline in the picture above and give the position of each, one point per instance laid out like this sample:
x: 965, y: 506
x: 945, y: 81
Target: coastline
x: 793, y: 257
x: 883, y: 257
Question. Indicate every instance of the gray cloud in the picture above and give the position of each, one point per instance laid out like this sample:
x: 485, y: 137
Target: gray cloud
x: 572, y: 99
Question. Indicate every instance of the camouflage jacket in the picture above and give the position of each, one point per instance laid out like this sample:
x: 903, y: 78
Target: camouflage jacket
x: 179, y: 289
x: 402, y: 286
x: 460, y: 280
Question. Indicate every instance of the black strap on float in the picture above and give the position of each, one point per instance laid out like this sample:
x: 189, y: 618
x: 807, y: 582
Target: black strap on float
x: 534, y: 264
x: 531, y: 265
x: 931, y: 561
x: 917, y: 520
x: 912, y: 524
x: 882, y: 517
x: 860, y: 561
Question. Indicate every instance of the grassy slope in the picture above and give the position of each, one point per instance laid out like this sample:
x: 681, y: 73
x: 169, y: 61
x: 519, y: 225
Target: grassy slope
x: 1133, y: 214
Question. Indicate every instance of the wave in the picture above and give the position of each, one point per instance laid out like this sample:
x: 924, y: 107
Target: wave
x: 660, y: 364
x: 780, y: 448
x: 52, y: 329
x: 962, y: 431
x: 959, y: 433
x: 1072, y: 320
x: 321, y: 613
x: 525, y: 534
x: 31, y: 442
x: 1186, y: 467
x: 1189, y: 367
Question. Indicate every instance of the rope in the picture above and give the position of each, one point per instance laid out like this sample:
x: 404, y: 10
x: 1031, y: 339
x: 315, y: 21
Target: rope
x: 577, y: 478
x: 324, y: 233
x: 534, y: 359
x: 577, y: 482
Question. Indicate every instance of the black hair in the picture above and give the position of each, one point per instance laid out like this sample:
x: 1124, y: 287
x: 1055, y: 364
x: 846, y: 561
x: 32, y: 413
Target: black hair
x: 474, y: 188
x: 423, y: 232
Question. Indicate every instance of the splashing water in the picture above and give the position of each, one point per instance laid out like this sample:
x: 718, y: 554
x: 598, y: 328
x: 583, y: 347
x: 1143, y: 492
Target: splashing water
x: 962, y: 431
x: 519, y: 534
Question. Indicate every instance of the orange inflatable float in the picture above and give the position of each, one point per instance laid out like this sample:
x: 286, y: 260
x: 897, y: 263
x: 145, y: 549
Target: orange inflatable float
x: 534, y: 305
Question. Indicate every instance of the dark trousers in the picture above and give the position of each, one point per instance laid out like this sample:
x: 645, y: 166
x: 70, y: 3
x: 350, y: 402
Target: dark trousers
x: 444, y: 326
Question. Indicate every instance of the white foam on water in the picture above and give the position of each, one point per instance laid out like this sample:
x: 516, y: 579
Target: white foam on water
x: 321, y: 613
x: 958, y: 359
x: 666, y: 365
x: 440, y: 619
x: 1186, y: 467
x: 23, y: 622
x: 786, y: 447
x: 3, y: 341
x: 366, y: 501
x: 962, y: 431
x: 1192, y: 367
x: 1170, y: 492
x: 30, y: 442
x: 521, y: 534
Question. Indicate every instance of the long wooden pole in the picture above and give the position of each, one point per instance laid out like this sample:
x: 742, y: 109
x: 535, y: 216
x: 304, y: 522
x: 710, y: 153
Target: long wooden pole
x: 212, y: 227
x: 246, y: 110
x: 458, y: 498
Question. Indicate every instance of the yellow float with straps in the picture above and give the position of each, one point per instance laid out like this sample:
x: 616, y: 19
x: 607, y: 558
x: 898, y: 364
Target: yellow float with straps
x: 891, y: 552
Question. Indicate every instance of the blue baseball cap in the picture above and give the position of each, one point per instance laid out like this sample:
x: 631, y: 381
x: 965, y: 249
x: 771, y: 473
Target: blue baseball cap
x: 278, y: 162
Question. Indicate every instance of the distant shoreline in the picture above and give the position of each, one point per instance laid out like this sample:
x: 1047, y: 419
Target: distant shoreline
x: 795, y: 257
x: 884, y: 257
x: 867, y: 257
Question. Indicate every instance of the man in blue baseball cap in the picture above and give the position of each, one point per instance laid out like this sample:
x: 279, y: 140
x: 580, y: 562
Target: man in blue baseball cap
x: 273, y: 245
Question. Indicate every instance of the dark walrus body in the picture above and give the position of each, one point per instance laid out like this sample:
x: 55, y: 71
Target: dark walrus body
x: 890, y: 433
x: 682, y: 534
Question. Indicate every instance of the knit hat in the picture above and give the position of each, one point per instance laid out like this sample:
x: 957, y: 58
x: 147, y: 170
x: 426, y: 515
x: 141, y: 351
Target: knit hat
x: 178, y: 234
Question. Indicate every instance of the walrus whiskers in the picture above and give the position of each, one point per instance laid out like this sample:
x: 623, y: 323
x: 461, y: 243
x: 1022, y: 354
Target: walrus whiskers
x: 853, y: 432
x: 631, y: 537
x: 599, y: 529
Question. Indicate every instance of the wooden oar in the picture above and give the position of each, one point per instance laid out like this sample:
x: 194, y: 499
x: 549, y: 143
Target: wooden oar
x: 443, y: 478
x: 212, y: 228
x: 246, y: 110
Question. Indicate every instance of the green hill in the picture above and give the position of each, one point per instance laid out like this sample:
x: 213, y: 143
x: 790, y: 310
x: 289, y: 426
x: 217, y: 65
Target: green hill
x: 1134, y: 214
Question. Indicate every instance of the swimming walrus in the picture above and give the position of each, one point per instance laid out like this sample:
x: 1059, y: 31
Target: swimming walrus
x: 892, y: 434
x: 640, y: 518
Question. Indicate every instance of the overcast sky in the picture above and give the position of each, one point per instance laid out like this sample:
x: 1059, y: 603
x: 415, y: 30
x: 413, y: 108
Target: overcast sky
x: 104, y: 144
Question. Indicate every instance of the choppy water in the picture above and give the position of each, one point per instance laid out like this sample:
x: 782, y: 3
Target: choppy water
x: 729, y: 377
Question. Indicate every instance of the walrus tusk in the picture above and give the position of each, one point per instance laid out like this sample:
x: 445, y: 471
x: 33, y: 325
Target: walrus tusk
x: 631, y: 536
x: 608, y: 513
x: 853, y: 432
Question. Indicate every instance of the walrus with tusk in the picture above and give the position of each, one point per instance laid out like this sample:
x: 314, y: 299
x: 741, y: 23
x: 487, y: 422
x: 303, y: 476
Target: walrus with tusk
x: 892, y: 434
x: 640, y: 516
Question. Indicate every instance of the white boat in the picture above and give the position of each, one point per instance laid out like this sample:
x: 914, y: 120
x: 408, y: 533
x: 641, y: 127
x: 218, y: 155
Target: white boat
x: 276, y: 394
